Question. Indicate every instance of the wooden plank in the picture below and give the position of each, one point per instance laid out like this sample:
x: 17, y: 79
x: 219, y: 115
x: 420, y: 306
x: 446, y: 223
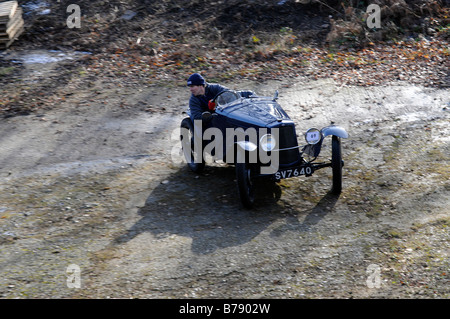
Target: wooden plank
x: 5, y: 45
x: 13, y: 20
x: 9, y: 34
x: 11, y: 23
x: 10, y: 15
x: 8, y: 12
x: 8, y: 8
x: 14, y: 35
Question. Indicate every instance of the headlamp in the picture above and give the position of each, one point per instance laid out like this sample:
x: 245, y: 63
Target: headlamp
x: 313, y: 136
x: 268, y: 142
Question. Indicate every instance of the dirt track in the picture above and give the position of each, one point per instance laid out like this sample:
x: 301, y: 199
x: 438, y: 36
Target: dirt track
x: 95, y: 183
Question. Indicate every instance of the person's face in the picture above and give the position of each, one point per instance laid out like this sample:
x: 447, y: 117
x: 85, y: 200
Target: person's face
x: 197, y: 90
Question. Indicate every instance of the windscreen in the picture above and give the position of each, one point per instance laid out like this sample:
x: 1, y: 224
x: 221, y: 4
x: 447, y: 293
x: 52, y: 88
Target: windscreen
x: 227, y: 97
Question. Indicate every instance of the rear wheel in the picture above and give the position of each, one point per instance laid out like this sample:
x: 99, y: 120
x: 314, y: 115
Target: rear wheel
x: 187, y: 144
x: 246, y: 187
x: 336, y: 164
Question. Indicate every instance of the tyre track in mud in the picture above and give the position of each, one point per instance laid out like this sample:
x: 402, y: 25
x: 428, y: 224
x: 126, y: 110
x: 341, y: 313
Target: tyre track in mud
x: 97, y: 186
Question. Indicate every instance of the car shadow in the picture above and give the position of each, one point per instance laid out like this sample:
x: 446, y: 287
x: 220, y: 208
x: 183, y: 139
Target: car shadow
x: 206, y: 208
x: 313, y: 215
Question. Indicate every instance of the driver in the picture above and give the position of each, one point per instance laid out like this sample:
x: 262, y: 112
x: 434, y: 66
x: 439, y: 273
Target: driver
x: 202, y: 94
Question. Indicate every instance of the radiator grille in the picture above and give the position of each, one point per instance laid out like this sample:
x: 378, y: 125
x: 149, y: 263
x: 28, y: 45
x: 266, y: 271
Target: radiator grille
x: 288, y: 139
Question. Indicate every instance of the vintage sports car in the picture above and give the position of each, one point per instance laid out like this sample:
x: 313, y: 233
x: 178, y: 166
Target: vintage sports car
x: 255, y: 134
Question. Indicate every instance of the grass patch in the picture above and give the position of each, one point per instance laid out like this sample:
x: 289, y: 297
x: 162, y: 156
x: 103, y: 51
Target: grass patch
x: 5, y: 71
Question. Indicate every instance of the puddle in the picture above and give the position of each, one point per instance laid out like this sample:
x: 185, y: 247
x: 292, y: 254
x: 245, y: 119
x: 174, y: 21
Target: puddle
x: 36, y: 6
x: 38, y: 64
x: 43, y: 56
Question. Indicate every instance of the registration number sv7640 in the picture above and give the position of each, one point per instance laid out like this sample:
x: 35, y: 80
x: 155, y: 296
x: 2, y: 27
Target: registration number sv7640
x: 293, y: 172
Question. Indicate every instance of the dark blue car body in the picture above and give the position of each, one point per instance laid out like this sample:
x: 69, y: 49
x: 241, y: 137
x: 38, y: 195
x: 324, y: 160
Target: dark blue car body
x: 274, y: 137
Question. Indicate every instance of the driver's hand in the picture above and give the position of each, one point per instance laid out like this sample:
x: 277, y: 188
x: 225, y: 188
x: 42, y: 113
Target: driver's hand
x: 211, y: 105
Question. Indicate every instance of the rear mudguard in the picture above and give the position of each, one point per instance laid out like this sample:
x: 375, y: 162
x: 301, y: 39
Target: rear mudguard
x: 314, y: 150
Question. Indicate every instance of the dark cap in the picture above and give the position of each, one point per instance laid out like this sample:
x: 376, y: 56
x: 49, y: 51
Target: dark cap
x: 196, y: 79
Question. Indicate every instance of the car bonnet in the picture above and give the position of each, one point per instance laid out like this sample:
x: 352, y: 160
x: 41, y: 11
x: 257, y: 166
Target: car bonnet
x: 260, y: 111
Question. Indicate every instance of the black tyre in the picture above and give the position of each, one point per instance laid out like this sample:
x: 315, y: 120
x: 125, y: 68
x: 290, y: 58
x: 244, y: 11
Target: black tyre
x: 187, y: 144
x: 246, y: 187
x: 336, y: 164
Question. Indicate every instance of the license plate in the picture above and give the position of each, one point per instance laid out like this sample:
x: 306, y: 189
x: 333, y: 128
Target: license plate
x: 294, y: 172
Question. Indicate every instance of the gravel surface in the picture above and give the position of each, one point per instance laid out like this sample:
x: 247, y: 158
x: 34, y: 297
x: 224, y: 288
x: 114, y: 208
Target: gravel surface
x: 96, y: 183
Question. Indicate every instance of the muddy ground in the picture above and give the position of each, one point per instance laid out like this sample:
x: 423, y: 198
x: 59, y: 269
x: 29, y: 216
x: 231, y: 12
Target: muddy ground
x: 97, y: 183
x: 90, y: 175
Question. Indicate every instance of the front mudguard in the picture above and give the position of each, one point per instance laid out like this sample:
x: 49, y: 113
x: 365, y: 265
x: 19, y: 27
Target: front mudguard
x: 334, y: 130
x: 314, y: 150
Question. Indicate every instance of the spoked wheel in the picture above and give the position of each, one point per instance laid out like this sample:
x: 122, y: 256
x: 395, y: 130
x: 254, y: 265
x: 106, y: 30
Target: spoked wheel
x: 336, y: 164
x: 246, y: 186
x: 187, y: 144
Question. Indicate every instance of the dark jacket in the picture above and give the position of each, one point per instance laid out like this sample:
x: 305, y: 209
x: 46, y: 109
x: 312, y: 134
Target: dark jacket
x: 199, y: 104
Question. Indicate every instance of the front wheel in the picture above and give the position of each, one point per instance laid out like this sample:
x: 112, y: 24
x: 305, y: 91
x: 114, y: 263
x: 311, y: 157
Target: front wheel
x: 336, y: 164
x: 245, y: 184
